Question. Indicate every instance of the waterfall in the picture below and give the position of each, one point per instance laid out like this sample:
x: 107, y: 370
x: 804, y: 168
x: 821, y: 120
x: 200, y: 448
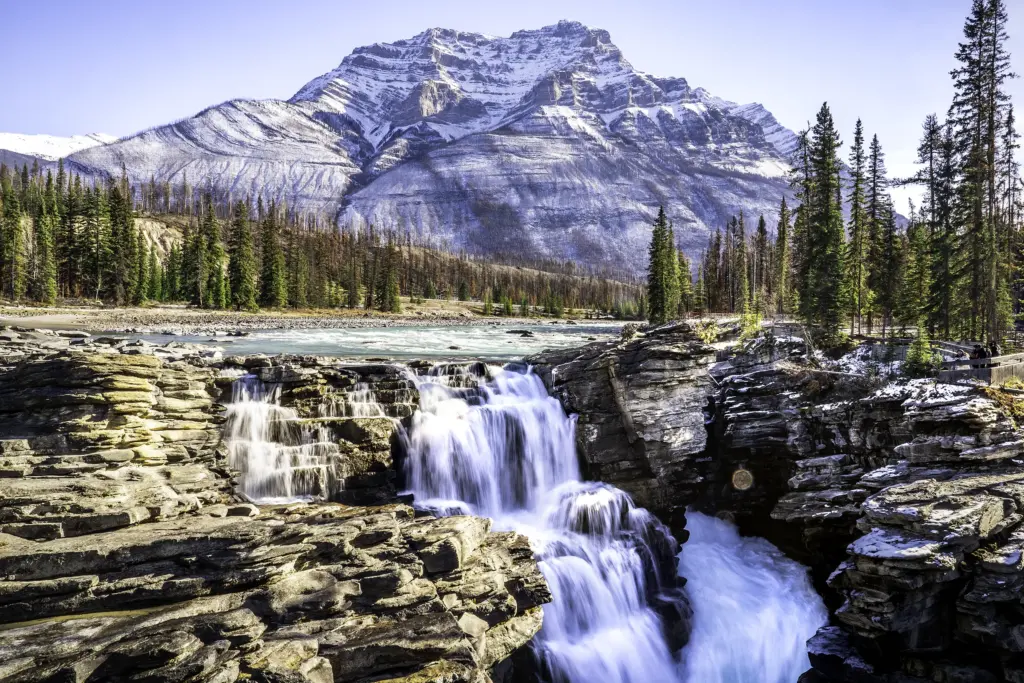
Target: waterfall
x: 360, y: 401
x: 506, y: 449
x: 491, y: 441
x: 753, y: 608
x: 280, y: 458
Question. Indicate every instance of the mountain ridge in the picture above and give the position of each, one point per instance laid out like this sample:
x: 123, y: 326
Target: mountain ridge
x: 547, y: 142
x: 51, y: 147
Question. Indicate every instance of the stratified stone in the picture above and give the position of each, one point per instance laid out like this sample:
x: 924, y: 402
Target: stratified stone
x: 641, y: 413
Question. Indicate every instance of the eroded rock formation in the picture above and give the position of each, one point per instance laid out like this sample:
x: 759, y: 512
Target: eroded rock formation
x: 125, y: 553
x: 640, y: 403
x: 905, y: 498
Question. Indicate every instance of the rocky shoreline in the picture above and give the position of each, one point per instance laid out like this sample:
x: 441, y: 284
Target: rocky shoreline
x: 128, y: 554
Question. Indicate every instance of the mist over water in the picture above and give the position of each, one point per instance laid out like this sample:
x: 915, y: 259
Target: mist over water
x: 753, y: 608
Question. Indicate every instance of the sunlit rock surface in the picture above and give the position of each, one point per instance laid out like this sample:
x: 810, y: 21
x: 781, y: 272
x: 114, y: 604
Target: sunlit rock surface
x: 127, y: 551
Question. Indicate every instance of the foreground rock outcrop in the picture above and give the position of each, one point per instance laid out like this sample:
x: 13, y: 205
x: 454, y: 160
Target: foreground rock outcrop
x: 126, y: 554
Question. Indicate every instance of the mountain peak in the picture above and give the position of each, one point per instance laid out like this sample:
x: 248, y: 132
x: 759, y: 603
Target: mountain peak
x: 547, y: 142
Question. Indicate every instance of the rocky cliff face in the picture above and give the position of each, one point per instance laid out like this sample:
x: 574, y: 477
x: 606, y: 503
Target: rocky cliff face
x: 905, y: 499
x: 125, y: 553
x: 906, y: 494
x: 529, y: 144
x: 640, y: 403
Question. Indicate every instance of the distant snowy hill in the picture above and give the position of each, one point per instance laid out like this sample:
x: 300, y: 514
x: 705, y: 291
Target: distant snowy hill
x: 51, y: 147
x: 546, y: 143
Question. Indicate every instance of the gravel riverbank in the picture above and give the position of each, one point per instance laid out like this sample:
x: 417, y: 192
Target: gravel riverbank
x: 180, y: 320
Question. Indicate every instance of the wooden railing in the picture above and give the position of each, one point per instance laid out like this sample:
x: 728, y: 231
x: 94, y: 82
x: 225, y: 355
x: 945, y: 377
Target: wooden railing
x: 992, y: 370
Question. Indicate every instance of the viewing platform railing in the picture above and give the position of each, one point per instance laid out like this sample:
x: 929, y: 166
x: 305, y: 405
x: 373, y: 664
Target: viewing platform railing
x: 992, y: 370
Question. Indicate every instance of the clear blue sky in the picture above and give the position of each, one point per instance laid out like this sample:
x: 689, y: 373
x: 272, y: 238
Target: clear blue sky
x: 119, y: 66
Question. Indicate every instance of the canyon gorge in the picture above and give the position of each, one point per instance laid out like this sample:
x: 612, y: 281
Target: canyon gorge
x: 646, y: 508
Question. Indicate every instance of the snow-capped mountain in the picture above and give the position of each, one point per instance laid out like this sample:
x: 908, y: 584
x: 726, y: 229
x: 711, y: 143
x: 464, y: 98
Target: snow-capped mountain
x: 546, y: 143
x: 51, y: 147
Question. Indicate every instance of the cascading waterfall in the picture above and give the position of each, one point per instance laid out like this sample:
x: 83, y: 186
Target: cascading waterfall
x: 753, y: 608
x: 507, y: 451
x: 360, y: 401
x: 491, y: 441
x: 279, y: 457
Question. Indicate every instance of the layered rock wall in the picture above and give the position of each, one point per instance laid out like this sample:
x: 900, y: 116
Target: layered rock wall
x: 907, y: 494
x: 905, y: 498
x: 640, y: 403
x: 125, y: 553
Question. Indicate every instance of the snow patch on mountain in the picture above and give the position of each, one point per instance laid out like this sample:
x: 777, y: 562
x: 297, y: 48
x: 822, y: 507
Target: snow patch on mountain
x: 51, y: 147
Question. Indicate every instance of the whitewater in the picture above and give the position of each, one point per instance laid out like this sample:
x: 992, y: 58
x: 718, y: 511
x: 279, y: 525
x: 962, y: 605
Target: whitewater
x: 500, y: 446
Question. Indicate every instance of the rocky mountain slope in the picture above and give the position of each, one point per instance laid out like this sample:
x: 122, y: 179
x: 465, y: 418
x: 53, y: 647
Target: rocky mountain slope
x: 547, y: 143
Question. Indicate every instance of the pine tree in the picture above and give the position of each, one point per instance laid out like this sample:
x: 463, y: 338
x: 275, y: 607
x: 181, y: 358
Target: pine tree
x: 657, y: 285
x: 141, y: 288
x: 155, y: 276
x: 242, y: 270
x: 686, y: 303
x: 210, y: 258
x: 915, y: 279
x: 353, y: 278
x: 391, y: 301
x: 761, y: 267
x: 825, y: 236
x: 877, y: 214
x: 739, y: 267
x: 46, y: 289
x: 977, y: 115
x: 891, y: 266
x: 172, y: 275
x: 803, y: 184
x: 488, y: 303
x: 671, y: 276
x: 97, y: 261
x: 12, y: 255
x: 700, y: 296
x: 273, y: 283
x: 783, y: 260
x: 123, y: 251
x: 858, y: 250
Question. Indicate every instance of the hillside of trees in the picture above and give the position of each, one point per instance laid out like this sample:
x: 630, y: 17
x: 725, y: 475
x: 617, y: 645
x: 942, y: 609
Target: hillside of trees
x: 954, y: 271
x: 63, y: 238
